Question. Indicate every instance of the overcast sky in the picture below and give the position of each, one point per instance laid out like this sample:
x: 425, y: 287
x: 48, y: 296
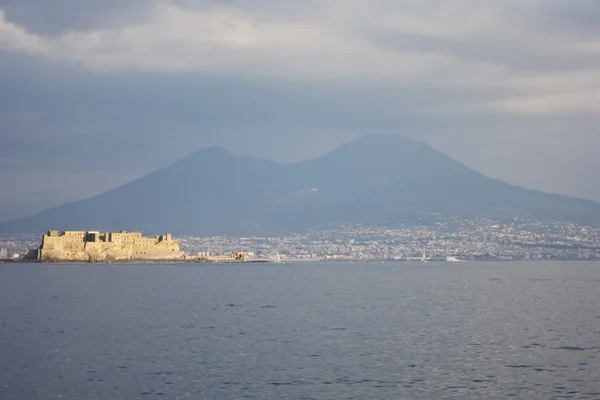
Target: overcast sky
x: 96, y: 93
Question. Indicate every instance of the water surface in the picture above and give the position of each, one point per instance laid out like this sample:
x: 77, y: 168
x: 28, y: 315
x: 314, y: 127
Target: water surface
x: 300, y: 331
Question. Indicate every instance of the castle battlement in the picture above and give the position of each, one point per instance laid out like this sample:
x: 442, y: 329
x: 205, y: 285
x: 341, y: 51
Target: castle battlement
x: 82, y: 246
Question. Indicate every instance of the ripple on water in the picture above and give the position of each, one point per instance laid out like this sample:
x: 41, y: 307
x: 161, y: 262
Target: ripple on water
x: 576, y: 348
x: 467, y: 331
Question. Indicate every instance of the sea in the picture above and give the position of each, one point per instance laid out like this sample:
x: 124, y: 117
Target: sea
x: 340, y: 330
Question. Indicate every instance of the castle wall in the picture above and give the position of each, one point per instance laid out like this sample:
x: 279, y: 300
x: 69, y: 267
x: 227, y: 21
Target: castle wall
x: 114, y: 246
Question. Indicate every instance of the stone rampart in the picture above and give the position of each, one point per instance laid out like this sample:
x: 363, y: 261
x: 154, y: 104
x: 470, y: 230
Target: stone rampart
x: 93, y: 246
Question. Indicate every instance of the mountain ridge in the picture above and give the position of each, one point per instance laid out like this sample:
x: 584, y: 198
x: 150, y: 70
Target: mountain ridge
x: 376, y: 180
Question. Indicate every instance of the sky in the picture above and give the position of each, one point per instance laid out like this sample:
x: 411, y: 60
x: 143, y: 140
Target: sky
x: 95, y: 94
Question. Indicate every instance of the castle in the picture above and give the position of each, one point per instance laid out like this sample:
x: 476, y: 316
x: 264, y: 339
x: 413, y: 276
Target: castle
x: 86, y: 246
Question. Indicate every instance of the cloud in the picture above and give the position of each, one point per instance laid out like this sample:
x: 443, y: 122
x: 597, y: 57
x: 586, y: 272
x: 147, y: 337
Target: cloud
x: 460, y: 44
x: 60, y: 16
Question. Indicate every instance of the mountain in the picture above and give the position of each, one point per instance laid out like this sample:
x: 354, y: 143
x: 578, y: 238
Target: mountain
x: 377, y: 180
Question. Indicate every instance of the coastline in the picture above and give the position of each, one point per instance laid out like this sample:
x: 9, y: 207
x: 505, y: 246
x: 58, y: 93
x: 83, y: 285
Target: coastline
x: 289, y: 261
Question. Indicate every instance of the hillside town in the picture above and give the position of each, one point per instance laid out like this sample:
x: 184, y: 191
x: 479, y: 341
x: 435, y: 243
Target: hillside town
x: 448, y: 240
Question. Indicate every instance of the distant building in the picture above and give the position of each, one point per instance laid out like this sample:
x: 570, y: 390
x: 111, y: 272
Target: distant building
x: 3, y: 254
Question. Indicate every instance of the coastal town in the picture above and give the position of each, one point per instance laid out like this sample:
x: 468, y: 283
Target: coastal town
x: 448, y: 240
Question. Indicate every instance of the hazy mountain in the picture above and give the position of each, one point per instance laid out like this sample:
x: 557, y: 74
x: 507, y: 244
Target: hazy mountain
x: 384, y: 180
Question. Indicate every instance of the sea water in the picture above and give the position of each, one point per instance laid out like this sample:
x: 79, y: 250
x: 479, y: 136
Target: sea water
x: 300, y: 331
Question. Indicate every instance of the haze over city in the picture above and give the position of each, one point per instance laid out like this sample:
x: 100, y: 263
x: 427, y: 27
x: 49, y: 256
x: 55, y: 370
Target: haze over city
x: 99, y: 93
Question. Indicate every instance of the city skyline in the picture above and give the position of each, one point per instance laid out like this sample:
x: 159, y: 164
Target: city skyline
x: 451, y: 239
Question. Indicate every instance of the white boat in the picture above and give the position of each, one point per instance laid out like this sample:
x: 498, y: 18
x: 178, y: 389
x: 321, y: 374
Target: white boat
x: 424, y: 258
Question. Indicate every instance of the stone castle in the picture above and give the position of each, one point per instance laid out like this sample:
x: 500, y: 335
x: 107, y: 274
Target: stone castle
x: 91, y: 246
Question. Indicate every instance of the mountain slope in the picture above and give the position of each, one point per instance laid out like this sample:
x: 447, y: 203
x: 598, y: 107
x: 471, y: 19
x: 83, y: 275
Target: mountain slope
x: 380, y: 179
x: 391, y: 179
